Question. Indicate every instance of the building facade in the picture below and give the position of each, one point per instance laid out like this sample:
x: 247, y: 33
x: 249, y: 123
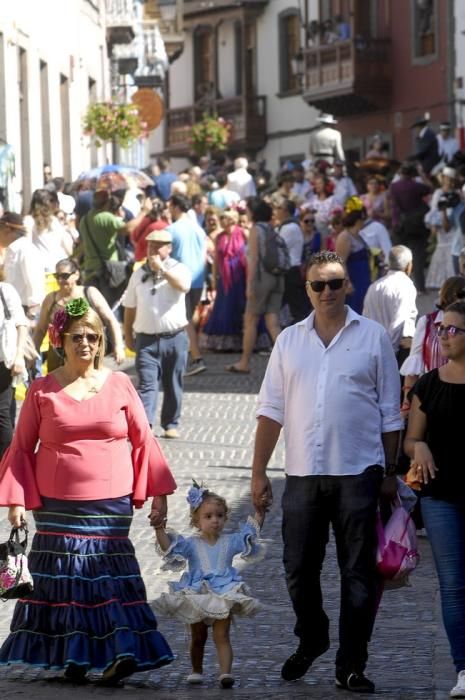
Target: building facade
x: 270, y: 67
x: 52, y: 64
x: 396, y: 64
x: 230, y: 66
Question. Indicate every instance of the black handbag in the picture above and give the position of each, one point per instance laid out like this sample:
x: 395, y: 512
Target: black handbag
x: 15, y: 577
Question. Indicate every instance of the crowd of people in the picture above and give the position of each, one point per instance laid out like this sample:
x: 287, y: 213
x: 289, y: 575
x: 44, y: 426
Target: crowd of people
x: 321, y: 269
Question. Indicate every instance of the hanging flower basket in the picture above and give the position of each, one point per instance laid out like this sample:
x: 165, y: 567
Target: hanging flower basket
x: 118, y: 123
x: 213, y: 133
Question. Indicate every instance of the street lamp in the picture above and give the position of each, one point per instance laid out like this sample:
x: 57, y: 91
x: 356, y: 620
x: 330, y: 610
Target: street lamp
x: 168, y: 10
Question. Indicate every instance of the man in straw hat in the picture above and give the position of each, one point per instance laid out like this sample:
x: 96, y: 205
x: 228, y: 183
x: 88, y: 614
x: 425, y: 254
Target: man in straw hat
x: 155, y: 328
x: 326, y: 141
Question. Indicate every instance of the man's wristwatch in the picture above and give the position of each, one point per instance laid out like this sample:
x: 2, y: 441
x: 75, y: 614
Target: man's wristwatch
x: 390, y: 469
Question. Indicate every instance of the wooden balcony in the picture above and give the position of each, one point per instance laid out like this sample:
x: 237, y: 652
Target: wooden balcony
x: 247, y: 115
x: 348, y: 77
x: 120, y: 16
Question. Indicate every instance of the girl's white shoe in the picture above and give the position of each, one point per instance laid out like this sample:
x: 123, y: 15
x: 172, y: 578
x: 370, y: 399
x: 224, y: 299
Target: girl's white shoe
x: 458, y: 691
x: 195, y: 678
x: 226, y: 680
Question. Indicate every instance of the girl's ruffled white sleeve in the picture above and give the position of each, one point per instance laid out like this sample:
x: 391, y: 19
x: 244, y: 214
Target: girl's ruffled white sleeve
x: 250, y: 548
x: 174, y: 558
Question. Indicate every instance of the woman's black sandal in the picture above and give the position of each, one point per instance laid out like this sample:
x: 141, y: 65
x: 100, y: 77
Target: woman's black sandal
x: 113, y: 677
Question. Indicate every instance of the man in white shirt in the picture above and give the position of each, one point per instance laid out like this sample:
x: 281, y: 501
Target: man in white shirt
x: 325, y: 141
x: 155, y: 311
x: 447, y: 144
x: 376, y: 235
x: 343, y: 184
x: 22, y: 266
x: 241, y: 181
x: 294, y: 289
x: 391, y: 300
x: 332, y: 383
x: 301, y: 187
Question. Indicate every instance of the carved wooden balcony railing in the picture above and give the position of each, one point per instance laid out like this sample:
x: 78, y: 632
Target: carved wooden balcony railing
x: 348, y: 77
x: 247, y: 116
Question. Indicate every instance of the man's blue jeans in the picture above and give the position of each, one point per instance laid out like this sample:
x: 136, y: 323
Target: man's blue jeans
x: 445, y: 525
x: 161, y: 359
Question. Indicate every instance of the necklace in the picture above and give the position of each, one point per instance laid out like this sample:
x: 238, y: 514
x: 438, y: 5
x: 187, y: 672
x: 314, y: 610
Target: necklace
x: 92, y: 383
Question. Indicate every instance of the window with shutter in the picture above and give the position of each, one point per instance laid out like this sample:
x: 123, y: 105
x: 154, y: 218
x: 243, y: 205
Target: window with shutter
x: 424, y: 29
x: 289, y: 47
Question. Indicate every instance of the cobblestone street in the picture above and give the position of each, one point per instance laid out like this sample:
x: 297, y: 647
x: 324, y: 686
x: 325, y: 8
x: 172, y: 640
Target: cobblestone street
x: 409, y: 654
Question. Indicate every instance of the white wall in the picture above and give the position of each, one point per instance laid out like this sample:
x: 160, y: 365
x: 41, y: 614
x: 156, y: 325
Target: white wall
x: 285, y: 115
x: 70, y: 37
x: 182, y: 76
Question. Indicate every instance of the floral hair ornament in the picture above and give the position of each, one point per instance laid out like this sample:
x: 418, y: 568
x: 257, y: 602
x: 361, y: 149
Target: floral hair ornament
x: 195, y: 495
x: 353, y: 204
x: 73, y: 309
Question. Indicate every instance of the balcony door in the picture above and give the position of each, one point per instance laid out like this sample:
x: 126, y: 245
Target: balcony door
x: 365, y: 18
x: 204, y: 66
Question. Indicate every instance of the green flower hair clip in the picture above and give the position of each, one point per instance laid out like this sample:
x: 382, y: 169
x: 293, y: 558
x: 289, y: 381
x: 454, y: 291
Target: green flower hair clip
x: 77, y: 307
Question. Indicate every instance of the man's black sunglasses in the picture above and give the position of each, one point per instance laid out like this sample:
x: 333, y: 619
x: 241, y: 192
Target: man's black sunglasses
x: 319, y: 285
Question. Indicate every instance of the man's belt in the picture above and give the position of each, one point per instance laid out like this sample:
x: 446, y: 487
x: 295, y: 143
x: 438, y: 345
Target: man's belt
x: 168, y: 334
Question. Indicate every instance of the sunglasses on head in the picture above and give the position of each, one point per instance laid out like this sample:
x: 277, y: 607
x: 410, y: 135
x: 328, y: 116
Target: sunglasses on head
x: 78, y: 338
x: 449, y: 331
x: 62, y: 275
x: 319, y: 285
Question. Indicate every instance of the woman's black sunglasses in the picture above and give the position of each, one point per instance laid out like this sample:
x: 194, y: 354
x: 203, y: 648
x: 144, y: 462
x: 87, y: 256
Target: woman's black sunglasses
x: 319, y: 285
x: 62, y: 275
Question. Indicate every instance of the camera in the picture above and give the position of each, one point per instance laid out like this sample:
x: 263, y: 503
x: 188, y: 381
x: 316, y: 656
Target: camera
x: 449, y: 200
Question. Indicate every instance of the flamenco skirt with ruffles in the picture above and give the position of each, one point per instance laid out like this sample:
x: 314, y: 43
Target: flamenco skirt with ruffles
x: 192, y: 605
x: 223, y: 330
x: 89, y: 604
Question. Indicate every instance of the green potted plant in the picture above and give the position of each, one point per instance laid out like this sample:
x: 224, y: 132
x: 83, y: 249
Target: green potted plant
x: 212, y: 133
x: 118, y: 123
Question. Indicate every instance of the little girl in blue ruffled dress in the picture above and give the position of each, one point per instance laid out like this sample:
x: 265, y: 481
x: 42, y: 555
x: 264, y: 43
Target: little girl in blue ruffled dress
x: 211, y: 591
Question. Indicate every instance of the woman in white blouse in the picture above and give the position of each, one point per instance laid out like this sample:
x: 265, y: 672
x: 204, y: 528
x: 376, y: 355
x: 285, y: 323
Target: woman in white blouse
x: 13, y: 334
x: 48, y: 235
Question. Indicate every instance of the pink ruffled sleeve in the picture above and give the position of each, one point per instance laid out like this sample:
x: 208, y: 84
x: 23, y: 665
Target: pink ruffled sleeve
x: 18, y: 485
x: 152, y: 475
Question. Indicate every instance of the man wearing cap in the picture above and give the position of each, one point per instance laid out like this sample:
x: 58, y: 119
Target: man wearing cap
x: 21, y: 267
x: 447, y: 144
x: 155, y: 328
x: 325, y: 141
x: 426, y: 144
x: 343, y: 184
